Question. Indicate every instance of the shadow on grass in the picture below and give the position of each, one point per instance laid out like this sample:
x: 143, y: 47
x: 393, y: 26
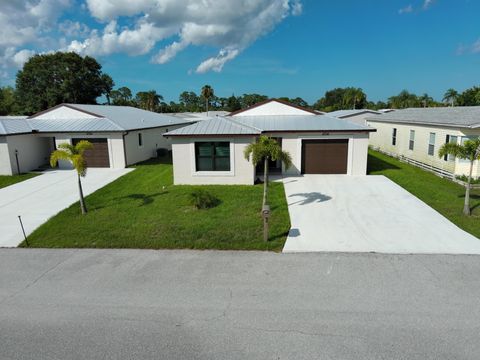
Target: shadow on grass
x: 145, y: 199
x: 156, y: 161
x: 377, y: 164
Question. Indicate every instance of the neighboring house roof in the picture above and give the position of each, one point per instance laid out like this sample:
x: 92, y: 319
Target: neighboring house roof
x: 13, y: 125
x: 253, y: 125
x: 347, y: 113
x: 461, y: 116
x: 100, y: 118
x: 195, y: 116
x: 270, y: 101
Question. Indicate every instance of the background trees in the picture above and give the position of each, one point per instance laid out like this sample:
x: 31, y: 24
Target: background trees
x: 50, y: 79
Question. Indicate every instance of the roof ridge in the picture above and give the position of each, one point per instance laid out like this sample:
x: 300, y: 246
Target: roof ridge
x: 244, y: 125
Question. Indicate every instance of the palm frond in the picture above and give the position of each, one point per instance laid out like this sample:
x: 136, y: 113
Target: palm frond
x: 83, y: 145
x: 451, y: 149
x: 59, y: 155
x: 68, y: 147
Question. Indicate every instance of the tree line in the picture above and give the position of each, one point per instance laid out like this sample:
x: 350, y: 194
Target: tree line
x: 50, y: 79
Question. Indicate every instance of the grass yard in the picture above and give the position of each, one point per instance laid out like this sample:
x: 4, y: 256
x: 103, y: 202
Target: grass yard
x: 441, y: 194
x: 144, y: 210
x: 7, y: 180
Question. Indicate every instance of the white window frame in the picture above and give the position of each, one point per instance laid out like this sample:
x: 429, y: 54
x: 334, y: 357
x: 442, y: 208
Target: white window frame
x: 193, y: 160
x: 431, y: 144
x: 411, y: 141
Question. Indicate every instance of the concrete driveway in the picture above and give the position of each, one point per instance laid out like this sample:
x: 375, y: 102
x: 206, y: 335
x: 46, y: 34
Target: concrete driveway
x: 367, y: 214
x: 42, y: 197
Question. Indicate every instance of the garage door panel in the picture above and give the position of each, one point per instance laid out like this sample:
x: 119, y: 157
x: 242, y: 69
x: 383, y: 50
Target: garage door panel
x: 98, y: 156
x: 325, y: 156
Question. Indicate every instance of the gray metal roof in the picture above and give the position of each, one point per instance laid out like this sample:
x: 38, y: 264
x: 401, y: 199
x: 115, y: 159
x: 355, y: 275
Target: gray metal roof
x: 217, y: 126
x: 130, y: 118
x: 13, y: 125
x: 347, y: 113
x: 460, y: 116
x: 259, y: 124
x: 74, y: 125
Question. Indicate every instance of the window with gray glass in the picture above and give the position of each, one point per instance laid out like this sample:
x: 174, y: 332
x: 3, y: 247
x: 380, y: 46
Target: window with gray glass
x: 431, y: 144
x: 411, y: 143
x: 212, y: 156
x: 140, y: 140
x: 394, y: 136
x: 450, y: 139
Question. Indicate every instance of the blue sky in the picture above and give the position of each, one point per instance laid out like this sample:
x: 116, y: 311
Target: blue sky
x: 298, y: 48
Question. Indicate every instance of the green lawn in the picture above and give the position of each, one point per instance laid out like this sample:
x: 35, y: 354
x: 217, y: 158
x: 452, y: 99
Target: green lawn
x: 7, y: 180
x: 136, y: 211
x: 441, y: 194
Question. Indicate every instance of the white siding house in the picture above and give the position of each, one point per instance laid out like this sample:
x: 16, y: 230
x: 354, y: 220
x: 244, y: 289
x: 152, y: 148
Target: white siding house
x: 211, y: 151
x: 418, y: 134
x: 121, y: 136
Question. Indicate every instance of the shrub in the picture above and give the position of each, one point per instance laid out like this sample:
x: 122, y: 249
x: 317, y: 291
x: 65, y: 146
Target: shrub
x: 464, y: 178
x: 202, y: 199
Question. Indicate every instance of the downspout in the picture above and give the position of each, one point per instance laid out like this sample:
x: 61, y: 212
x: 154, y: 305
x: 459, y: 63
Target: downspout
x: 124, y: 149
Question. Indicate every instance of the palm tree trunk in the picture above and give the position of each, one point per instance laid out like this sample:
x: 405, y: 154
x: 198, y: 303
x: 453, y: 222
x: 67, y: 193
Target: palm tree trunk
x: 466, y: 206
x: 82, y: 200
x: 265, y: 181
x: 206, y: 104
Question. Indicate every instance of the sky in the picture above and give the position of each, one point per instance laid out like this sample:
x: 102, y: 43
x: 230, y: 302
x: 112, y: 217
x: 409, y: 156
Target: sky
x: 274, y: 47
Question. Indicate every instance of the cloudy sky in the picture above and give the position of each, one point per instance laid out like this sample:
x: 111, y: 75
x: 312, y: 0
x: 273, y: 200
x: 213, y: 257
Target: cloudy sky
x: 276, y: 47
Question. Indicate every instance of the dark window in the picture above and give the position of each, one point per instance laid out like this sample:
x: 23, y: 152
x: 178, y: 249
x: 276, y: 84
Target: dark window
x: 394, y: 136
x: 431, y: 144
x: 212, y: 156
x: 411, y: 143
x: 140, y: 139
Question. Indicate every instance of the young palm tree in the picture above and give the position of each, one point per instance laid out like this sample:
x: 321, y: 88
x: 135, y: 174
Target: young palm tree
x: 207, y: 93
x: 74, y: 154
x: 451, y: 96
x: 266, y: 149
x: 470, y: 150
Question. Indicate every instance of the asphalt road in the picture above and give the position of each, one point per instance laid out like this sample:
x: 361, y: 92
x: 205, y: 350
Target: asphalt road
x: 129, y: 304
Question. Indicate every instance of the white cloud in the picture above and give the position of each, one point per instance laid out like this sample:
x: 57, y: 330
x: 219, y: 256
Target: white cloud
x: 26, y: 23
x: 473, y: 48
x: 137, y: 27
x: 406, y: 9
x: 476, y: 47
x: 214, y: 23
x: 427, y: 4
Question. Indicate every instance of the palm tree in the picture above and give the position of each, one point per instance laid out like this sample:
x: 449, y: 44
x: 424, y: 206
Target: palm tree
x: 148, y: 100
x: 451, y: 96
x: 74, y: 154
x: 470, y: 151
x: 207, y: 93
x: 266, y: 149
x: 425, y: 99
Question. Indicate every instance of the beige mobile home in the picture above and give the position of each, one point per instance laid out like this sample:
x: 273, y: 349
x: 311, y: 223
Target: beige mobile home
x: 418, y: 134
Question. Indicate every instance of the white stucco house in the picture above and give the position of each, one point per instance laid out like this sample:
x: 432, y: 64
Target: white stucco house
x: 357, y: 116
x: 121, y: 136
x: 417, y: 134
x: 211, y: 151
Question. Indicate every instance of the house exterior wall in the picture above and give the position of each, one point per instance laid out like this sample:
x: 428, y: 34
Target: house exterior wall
x: 358, y: 119
x: 33, y: 152
x: 273, y: 108
x: 5, y: 165
x: 382, y: 140
x: 357, y: 150
x: 152, y: 139
x: 184, y: 170
x: 114, y: 140
x: 64, y: 112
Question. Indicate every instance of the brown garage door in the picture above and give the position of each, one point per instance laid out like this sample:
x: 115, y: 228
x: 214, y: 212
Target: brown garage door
x: 98, y: 156
x: 324, y: 156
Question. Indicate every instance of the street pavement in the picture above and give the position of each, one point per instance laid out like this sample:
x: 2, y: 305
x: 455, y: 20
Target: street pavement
x: 137, y: 304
